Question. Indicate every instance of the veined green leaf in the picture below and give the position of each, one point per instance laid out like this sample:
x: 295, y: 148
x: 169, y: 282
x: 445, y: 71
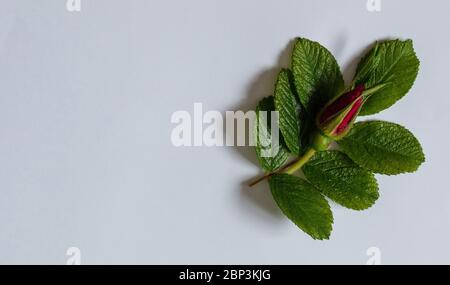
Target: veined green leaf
x: 303, y: 204
x: 342, y: 180
x: 317, y: 76
x: 290, y: 111
x: 392, y: 63
x: 269, y: 159
x: 383, y: 147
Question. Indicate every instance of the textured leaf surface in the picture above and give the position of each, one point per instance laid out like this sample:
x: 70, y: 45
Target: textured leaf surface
x: 290, y: 111
x: 342, y: 180
x: 383, y: 147
x: 302, y: 203
x: 277, y: 156
x: 317, y: 76
x: 393, y: 63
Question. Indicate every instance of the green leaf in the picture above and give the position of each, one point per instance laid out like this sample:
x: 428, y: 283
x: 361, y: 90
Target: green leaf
x: 383, y: 147
x: 342, y: 180
x: 269, y: 159
x: 393, y: 63
x: 290, y: 111
x: 303, y: 204
x: 317, y: 76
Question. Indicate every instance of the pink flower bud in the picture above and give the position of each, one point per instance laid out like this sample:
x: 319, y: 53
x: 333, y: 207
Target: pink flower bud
x: 337, y: 117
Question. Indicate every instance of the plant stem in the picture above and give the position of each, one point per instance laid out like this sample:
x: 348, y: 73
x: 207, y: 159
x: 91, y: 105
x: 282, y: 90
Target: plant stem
x: 288, y: 168
x: 261, y: 178
x: 319, y: 143
x: 301, y: 161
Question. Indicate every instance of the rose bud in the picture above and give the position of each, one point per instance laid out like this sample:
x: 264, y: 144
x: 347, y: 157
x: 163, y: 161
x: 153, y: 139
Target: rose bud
x: 337, y: 117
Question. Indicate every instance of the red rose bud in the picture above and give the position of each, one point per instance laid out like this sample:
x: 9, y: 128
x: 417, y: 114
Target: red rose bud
x: 348, y: 119
x: 337, y: 117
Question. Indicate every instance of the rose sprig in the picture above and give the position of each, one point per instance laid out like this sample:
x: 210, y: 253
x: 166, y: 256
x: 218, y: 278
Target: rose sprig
x: 315, y: 109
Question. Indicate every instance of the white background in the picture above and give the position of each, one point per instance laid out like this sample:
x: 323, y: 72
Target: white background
x: 85, y: 153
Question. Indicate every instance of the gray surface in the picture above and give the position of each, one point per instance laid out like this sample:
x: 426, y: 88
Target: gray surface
x: 85, y: 152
